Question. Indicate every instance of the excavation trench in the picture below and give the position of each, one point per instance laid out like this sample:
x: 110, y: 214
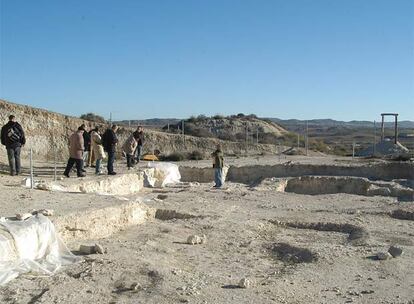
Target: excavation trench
x: 394, y: 179
x: 102, y: 222
x: 356, y: 235
x: 251, y: 174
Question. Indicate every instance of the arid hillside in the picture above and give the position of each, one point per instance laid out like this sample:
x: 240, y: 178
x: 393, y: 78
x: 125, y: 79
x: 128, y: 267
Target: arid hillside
x: 48, y: 132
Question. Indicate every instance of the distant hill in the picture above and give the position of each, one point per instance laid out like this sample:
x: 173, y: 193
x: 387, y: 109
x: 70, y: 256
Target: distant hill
x: 334, y: 123
x: 235, y: 128
x: 155, y: 123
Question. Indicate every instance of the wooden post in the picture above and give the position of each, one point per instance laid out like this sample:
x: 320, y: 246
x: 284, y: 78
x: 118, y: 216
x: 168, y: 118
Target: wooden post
x: 396, y: 129
x: 31, y: 169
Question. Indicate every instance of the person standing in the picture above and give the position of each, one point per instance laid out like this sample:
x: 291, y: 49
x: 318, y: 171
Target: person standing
x: 109, y: 141
x: 12, y: 136
x: 91, y: 156
x: 97, y: 149
x: 139, y: 135
x: 76, y: 149
x: 129, y: 148
x: 87, y: 145
x: 218, y: 163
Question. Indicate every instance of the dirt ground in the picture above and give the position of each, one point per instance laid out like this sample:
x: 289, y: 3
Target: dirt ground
x: 293, y: 248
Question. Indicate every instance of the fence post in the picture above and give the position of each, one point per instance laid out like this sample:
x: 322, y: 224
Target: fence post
x: 55, y: 166
x: 353, y: 149
x: 298, y: 141
x: 375, y: 140
x: 182, y: 126
x: 31, y: 169
x: 307, y: 138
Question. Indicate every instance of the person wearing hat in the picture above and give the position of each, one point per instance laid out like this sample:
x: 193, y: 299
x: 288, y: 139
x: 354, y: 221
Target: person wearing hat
x: 76, y: 149
x: 12, y: 136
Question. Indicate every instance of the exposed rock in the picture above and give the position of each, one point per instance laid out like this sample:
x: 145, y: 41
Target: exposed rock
x: 23, y: 216
x: 45, y: 212
x: 87, y: 249
x: 162, y: 196
x: 245, y: 283
x: 99, y: 249
x: 195, y: 239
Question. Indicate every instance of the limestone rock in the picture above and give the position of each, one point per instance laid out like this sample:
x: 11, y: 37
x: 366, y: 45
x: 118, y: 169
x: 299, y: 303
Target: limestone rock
x: 99, y: 249
x: 87, y: 249
x: 45, y: 212
x: 23, y: 216
x: 245, y: 283
x: 195, y: 239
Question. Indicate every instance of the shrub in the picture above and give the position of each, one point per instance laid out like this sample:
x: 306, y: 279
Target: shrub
x: 218, y: 116
x: 93, y: 117
x: 175, y: 156
x: 196, y: 155
x: 226, y: 135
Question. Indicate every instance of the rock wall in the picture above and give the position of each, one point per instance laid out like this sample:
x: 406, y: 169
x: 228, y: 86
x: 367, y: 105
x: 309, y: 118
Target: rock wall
x: 47, y: 133
x: 256, y: 173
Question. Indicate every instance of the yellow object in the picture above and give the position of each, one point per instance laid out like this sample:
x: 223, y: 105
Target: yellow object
x: 150, y: 157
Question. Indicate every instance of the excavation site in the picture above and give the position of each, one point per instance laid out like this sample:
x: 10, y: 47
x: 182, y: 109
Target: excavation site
x: 289, y: 229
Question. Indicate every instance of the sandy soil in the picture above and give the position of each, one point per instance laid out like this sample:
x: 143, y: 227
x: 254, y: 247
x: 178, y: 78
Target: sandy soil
x: 248, y: 236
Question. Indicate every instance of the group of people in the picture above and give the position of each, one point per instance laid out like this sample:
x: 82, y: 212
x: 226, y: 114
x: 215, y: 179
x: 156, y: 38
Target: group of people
x: 87, y: 148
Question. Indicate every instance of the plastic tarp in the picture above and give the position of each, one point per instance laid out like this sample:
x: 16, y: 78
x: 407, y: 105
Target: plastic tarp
x: 31, y: 246
x: 167, y: 173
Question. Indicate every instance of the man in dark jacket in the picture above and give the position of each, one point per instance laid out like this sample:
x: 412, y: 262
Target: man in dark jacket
x: 139, y: 135
x: 12, y: 136
x: 109, y: 142
x: 87, y: 146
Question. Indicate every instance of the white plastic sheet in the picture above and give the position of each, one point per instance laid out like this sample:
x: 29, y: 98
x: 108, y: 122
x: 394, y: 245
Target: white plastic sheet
x: 31, y: 246
x: 170, y: 172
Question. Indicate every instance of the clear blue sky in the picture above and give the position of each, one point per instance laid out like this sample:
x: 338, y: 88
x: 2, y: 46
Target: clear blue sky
x: 341, y: 59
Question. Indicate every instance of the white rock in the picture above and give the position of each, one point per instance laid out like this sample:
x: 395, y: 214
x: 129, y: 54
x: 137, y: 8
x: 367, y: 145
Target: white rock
x: 45, y: 212
x: 23, y: 216
x: 99, y: 249
x: 194, y: 240
x: 245, y: 283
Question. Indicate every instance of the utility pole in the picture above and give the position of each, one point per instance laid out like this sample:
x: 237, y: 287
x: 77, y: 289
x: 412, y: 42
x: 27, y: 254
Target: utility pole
x: 298, y: 141
x: 110, y: 118
x: 307, y: 138
x: 353, y: 149
x: 182, y: 126
x: 375, y: 139
x: 31, y: 169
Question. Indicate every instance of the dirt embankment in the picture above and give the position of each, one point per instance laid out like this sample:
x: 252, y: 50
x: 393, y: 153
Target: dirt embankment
x: 48, y: 132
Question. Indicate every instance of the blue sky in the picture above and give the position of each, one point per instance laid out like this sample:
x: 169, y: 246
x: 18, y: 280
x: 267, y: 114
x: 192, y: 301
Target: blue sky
x: 347, y: 60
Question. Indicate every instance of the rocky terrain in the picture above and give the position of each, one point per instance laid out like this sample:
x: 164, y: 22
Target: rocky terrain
x: 254, y: 241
